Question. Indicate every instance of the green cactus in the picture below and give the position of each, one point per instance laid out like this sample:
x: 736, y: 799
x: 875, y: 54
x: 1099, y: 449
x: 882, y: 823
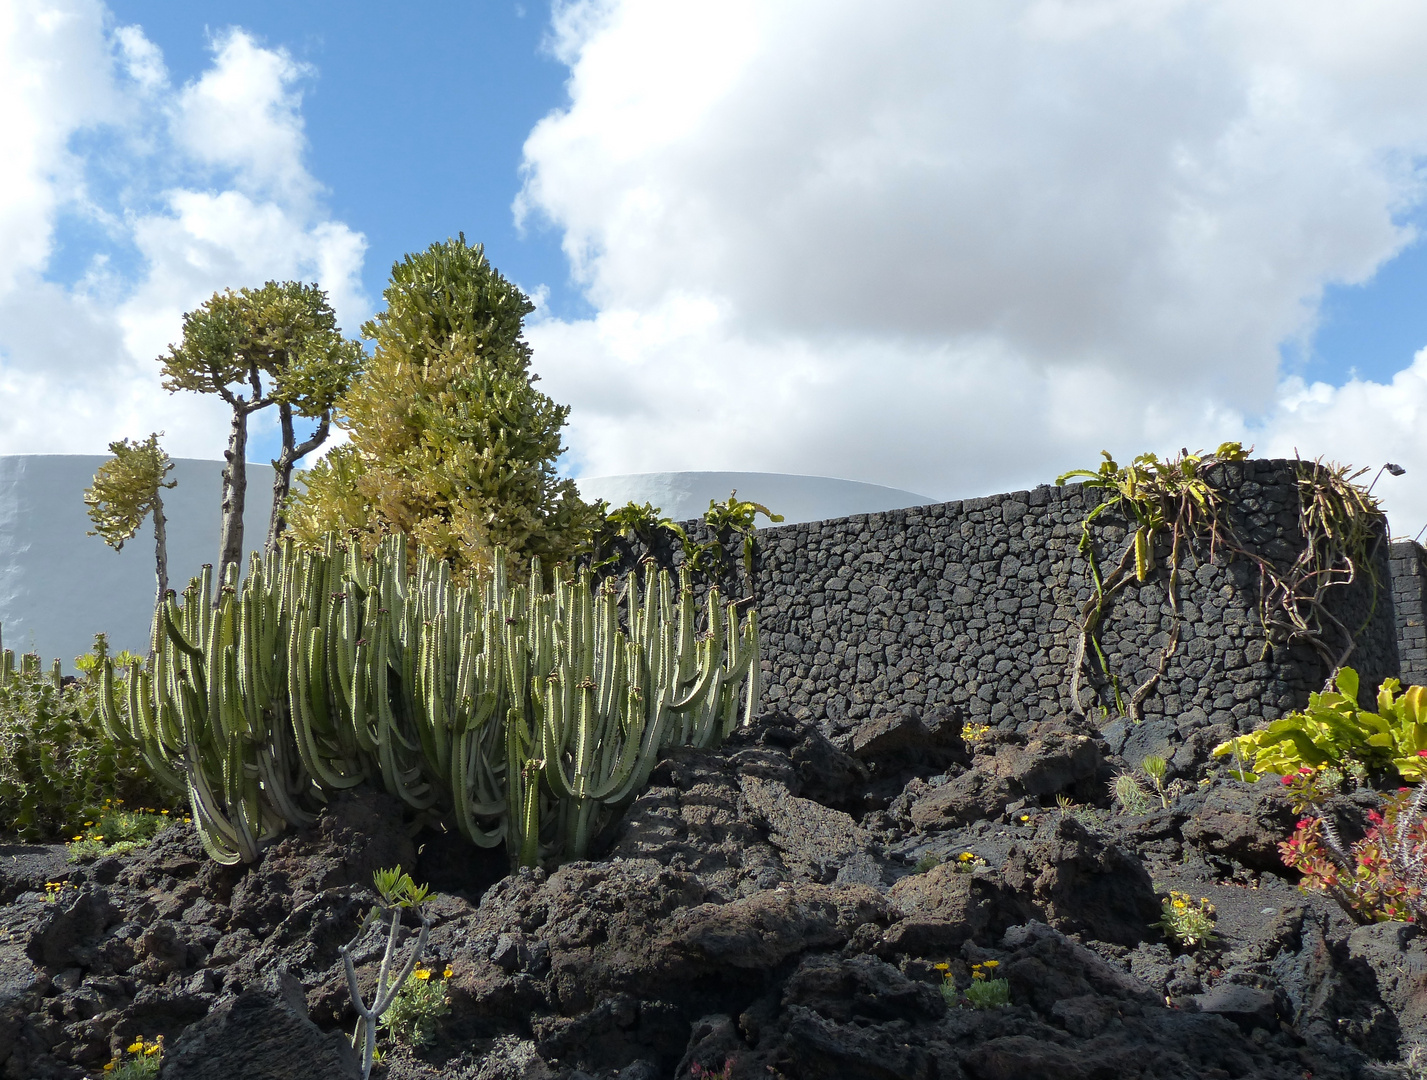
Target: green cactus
x: 526, y: 717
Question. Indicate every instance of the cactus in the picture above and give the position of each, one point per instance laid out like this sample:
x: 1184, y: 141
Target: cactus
x: 527, y: 717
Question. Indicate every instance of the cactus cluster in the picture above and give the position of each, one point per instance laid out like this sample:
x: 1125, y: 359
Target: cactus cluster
x: 522, y: 715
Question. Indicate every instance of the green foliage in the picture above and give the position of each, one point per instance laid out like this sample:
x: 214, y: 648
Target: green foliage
x: 619, y: 535
x: 117, y: 831
x: 451, y: 444
x: 1155, y: 768
x: 529, y: 717
x: 126, y: 489
x: 278, y: 344
x: 1381, y: 877
x: 1157, y: 497
x: 57, y: 764
x: 1131, y: 794
x: 728, y: 522
x: 926, y: 862
x: 1187, y: 922
x: 1335, y: 731
x: 419, y: 1006
x: 140, y: 1060
x: 397, y: 892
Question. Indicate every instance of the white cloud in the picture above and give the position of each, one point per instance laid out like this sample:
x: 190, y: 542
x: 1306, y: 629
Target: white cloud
x: 959, y: 248
x: 204, y: 185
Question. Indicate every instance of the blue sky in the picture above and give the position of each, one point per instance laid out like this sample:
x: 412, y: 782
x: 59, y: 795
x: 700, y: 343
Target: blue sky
x: 415, y: 115
x: 957, y: 249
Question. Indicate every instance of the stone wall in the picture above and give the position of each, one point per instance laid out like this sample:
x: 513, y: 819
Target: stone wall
x: 975, y: 604
x: 1409, y: 600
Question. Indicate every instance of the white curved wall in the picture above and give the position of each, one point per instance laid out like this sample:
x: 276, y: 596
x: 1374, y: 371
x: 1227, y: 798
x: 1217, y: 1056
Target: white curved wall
x: 59, y: 587
x: 686, y: 495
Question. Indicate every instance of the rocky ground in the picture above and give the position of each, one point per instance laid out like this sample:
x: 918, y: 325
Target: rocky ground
x: 759, y: 910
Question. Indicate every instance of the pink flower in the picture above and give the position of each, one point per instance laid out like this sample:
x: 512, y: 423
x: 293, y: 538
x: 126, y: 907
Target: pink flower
x: 1304, y: 823
x: 1305, y: 772
x: 1287, y: 780
x: 1422, y: 753
x: 1374, y: 817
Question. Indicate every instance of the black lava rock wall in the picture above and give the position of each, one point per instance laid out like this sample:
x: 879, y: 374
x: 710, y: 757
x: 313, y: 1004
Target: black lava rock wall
x: 976, y: 604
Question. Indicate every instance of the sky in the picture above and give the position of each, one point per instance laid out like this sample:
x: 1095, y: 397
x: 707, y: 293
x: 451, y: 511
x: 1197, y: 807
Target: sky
x: 957, y: 248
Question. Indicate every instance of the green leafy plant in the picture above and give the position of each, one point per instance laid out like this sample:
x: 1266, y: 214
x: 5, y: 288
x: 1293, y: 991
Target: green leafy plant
x: 117, y: 831
x: 1187, y: 922
x: 1341, y: 523
x: 140, y: 1060
x: 1158, y: 497
x: 620, y: 534
x: 452, y: 444
x: 926, y: 862
x: 1381, y: 877
x: 729, y: 522
x: 1155, y: 768
x: 396, y: 892
x: 982, y: 992
x: 57, y: 763
x: 418, y: 1007
x: 127, y: 489
x: 253, y: 348
x: 1334, y: 730
x: 967, y: 862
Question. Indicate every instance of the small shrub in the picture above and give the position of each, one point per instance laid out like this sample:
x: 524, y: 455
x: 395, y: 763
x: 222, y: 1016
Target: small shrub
x: 703, y: 1072
x: 974, y: 733
x: 139, y: 1061
x: 1186, y: 922
x: 1379, y: 878
x: 419, y: 1006
x: 57, y: 764
x: 116, y: 831
x: 1131, y: 794
x: 983, y: 992
x: 1335, y: 731
x: 967, y: 861
x: 926, y: 862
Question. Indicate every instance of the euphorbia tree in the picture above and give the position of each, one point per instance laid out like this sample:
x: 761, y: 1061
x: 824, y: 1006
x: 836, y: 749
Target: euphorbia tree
x: 126, y: 489
x: 281, y: 345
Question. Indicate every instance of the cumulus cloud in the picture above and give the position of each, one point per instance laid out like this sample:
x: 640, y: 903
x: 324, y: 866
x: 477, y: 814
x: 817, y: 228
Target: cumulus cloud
x: 167, y: 193
x: 961, y: 247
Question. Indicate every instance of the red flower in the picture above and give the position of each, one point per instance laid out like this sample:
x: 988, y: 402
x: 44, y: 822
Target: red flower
x: 1374, y: 817
x: 1305, y: 772
x: 1422, y: 753
x: 1287, y: 780
x: 1304, y: 823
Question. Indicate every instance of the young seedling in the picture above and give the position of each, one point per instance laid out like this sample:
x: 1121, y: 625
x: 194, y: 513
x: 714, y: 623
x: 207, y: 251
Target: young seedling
x: 1155, y: 767
x: 397, y: 891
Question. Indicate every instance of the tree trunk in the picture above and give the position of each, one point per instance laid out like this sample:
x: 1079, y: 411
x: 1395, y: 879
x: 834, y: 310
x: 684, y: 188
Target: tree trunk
x: 283, y: 466
x: 235, y: 493
x: 160, y: 548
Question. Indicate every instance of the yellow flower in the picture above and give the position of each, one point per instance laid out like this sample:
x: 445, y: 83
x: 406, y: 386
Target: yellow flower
x: 78, y: 838
x: 943, y: 966
x: 163, y: 811
x: 423, y: 974
x: 966, y: 856
x: 151, y: 1050
x: 109, y: 1067
x: 136, y: 1047
x: 992, y: 963
x: 447, y: 973
x: 978, y: 974
x: 88, y: 823
x: 1025, y: 817
x: 1179, y: 905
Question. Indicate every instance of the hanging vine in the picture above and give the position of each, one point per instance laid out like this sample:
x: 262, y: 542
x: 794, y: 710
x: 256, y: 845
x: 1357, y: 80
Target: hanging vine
x: 1340, y: 522
x: 1158, y: 497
